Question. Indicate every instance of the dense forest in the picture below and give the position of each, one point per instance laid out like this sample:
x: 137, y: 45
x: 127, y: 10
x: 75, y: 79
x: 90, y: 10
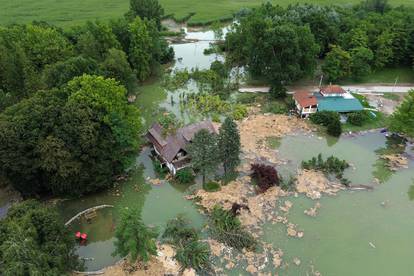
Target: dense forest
x: 285, y: 44
x: 66, y: 126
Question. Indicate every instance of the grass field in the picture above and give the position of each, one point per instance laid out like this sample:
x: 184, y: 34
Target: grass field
x: 65, y: 13
x: 387, y: 75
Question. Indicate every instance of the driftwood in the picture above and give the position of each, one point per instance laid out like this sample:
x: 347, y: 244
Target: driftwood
x: 98, y: 272
x: 360, y: 188
x: 87, y: 211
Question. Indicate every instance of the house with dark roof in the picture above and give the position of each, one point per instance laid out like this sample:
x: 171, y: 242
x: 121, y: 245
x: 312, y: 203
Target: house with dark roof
x: 171, y: 149
x: 328, y: 98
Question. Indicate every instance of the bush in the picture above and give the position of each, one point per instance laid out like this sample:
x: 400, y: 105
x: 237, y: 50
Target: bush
x: 158, y: 168
x: 211, y: 186
x: 239, y: 111
x: 265, y: 176
x: 277, y: 91
x: 329, y: 119
x: 357, y: 118
x: 334, y: 128
x: 332, y: 165
x: 185, y: 176
x: 324, y: 118
x: 275, y: 107
x: 226, y: 228
x: 246, y: 98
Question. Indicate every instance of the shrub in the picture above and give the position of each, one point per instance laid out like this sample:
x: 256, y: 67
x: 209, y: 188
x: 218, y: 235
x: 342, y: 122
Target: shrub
x: 239, y: 111
x: 211, y: 186
x: 324, y: 117
x: 226, y: 228
x: 185, y: 176
x: 357, y: 118
x: 329, y: 119
x: 332, y: 165
x: 265, y: 176
x: 277, y: 91
x: 334, y: 128
x: 247, y: 98
x: 275, y: 107
x: 158, y: 168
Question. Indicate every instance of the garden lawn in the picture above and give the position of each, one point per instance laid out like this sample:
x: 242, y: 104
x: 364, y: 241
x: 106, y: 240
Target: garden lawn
x: 65, y: 13
x: 373, y: 123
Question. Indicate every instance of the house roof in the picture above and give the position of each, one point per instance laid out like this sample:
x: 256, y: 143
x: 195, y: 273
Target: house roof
x: 169, y: 146
x: 305, y: 98
x: 339, y: 104
x: 332, y: 89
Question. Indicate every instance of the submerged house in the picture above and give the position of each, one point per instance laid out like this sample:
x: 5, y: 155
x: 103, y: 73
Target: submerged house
x: 328, y: 98
x: 171, y: 149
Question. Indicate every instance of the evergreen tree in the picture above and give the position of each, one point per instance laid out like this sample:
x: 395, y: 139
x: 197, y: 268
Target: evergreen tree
x: 229, y: 145
x: 403, y: 118
x: 134, y: 237
x: 203, y: 152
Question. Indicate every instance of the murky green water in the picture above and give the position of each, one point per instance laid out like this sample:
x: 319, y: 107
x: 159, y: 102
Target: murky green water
x: 336, y: 242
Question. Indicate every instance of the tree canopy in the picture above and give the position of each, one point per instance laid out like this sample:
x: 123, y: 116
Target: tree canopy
x: 34, y: 241
x: 402, y: 120
x: 134, y: 238
x: 229, y: 145
x: 203, y: 152
x: 283, y: 44
x: 69, y: 140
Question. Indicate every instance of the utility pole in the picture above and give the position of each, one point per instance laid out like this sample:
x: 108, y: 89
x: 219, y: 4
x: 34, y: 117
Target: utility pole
x: 395, y: 84
x: 320, y: 82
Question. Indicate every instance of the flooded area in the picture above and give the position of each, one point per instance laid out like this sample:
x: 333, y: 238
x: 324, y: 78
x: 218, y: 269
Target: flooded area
x: 354, y: 232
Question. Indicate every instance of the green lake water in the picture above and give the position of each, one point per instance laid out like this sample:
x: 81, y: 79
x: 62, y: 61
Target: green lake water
x: 336, y: 242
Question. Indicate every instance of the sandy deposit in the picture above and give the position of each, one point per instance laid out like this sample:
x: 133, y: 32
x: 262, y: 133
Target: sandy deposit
x: 161, y: 264
x: 256, y: 128
x: 395, y: 161
x: 314, y: 183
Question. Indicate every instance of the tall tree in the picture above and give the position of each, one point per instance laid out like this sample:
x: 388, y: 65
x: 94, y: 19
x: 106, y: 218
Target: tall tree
x: 337, y: 64
x: 402, y: 120
x: 146, y: 9
x: 116, y: 65
x: 134, y: 238
x: 140, y: 55
x: 229, y: 145
x: 34, y: 241
x: 69, y: 140
x: 203, y: 152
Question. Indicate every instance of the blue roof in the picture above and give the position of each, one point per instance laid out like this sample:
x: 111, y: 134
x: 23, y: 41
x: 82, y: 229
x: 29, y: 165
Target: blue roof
x: 338, y: 104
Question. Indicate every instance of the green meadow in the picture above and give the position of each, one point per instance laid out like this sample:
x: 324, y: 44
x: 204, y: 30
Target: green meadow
x: 66, y: 13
